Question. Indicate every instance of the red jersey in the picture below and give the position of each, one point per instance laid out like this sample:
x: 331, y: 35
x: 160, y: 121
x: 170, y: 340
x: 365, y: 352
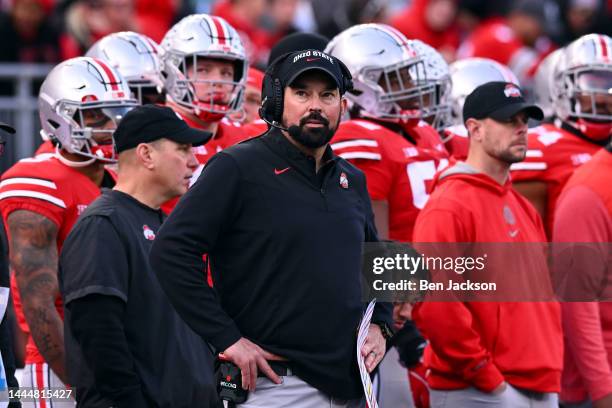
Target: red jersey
x: 553, y: 155
x: 228, y: 134
x: 481, y: 344
x: 396, y: 170
x: 456, y: 142
x: 45, y: 148
x: 427, y: 138
x: 255, y: 128
x: 47, y: 187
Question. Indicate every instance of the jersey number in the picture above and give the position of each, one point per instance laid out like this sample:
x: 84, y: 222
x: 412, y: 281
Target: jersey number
x: 418, y: 174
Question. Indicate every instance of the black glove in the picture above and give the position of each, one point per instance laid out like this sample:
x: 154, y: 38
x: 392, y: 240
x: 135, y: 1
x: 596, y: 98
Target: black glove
x: 409, y: 343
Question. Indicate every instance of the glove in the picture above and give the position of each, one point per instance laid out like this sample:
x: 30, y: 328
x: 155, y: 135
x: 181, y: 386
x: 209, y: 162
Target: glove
x: 410, y: 344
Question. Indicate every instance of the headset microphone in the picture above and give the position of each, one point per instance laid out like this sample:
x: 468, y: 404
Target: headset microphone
x: 293, y: 130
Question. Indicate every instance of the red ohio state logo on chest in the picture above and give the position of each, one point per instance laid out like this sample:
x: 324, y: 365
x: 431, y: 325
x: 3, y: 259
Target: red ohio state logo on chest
x: 343, y: 180
x: 148, y: 232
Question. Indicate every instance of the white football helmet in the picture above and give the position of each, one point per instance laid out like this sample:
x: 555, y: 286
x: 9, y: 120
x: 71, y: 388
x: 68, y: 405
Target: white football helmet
x: 80, y: 103
x: 136, y: 57
x: 468, y: 74
x: 583, y: 86
x: 544, y: 82
x: 389, y: 77
x: 203, y: 36
x: 439, y: 75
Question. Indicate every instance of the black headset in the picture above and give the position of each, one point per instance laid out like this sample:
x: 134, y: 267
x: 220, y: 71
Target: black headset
x: 271, y: 110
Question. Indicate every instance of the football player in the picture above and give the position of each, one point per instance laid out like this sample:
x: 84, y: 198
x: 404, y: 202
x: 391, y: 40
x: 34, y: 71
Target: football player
x: 136, y: 58
x: 386, y: 137
x: 438, y: 74
x: 205, y: 69
x: 582, y: 105
x: 80, y: 103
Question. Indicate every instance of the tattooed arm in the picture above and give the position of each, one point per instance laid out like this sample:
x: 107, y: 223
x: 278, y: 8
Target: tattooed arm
x: 33, y: 254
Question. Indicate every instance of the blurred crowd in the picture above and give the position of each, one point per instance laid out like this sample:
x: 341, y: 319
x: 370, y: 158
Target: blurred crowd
x: 515, y: 33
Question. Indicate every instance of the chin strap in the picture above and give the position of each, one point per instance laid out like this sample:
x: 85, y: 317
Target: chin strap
x: 72, y: 163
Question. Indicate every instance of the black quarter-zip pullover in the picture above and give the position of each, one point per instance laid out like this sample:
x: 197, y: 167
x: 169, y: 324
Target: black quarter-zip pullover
x: 284, y: 244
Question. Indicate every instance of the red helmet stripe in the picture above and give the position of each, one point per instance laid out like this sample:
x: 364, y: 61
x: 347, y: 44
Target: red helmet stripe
x: 113, y: 80
x: 400, y: 39
x: 214, y: 35
x: 151, y: 44
x: 605, y: 52
x: 221, y: 33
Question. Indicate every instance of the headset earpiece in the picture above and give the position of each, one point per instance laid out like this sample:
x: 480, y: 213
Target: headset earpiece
x: 272, y: 91
x: 347, y: 78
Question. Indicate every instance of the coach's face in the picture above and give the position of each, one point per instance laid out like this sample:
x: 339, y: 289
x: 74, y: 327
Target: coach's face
x: 503, y: 140
x: 313, y: 102
x: 174, y: 165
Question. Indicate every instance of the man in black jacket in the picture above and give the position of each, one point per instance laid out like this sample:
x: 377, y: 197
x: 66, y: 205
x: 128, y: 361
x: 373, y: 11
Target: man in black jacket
x: 282, y: 220
x: 126, y: 345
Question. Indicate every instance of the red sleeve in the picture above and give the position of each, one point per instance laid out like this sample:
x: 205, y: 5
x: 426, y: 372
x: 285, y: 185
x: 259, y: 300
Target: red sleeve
x: 52, y: 212
x: 463, y: 350
x: 21, y: 191
x: 581, y: 216
x: 584, y: 339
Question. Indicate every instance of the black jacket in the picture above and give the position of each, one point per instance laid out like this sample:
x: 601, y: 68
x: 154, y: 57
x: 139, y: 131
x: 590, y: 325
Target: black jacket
x: 284, y: 245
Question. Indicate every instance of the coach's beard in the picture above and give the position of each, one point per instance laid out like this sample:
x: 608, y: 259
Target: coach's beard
x: 314, y: 137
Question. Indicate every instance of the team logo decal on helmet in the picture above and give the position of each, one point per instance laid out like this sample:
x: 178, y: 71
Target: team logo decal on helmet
x: 81, y: 101
x: 197, y: 37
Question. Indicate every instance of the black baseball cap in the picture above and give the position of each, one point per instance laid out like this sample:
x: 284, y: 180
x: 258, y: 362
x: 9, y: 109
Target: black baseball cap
x: 499, y: 101
x: 7, y: 128
x: 301, y: 61
x: 297, y: 41
x: 148, y: 123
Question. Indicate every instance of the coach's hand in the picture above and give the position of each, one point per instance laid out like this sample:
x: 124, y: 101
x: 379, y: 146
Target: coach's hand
x: 374, y: 348
x: 249, y: 357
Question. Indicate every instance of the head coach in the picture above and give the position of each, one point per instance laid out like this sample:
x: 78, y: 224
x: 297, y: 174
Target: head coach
x: 282, y: 220
x: 125, y: 344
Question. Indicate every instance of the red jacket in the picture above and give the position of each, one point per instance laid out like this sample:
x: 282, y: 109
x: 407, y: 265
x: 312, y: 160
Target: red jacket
x: 584, y: 214
x: 481, y: 344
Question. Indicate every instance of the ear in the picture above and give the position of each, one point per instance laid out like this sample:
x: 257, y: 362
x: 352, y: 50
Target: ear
x: 343, y: 105
x: 474, y: 128
x: 145, y: 154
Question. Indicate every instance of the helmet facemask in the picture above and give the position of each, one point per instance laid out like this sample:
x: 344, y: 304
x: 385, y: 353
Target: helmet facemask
x: 587, y: 96
x: 147, y: 92
x: 208, y: 99
x: 401, y: 91
x: 91, y: 127
x: 440, y: 117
